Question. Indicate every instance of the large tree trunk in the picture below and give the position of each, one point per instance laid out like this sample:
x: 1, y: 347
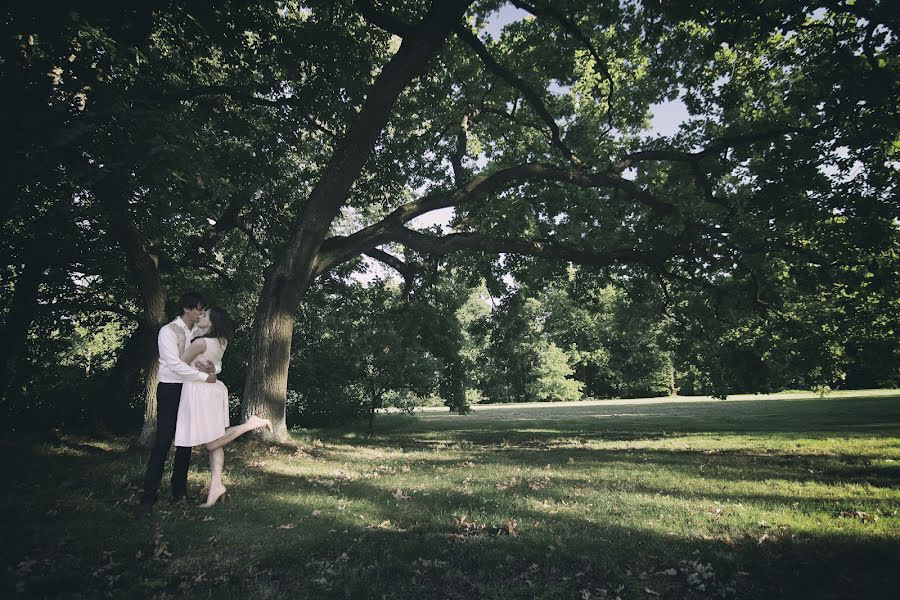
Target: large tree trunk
x: 265, y: 389
x: 140, y: 354
x: 136, y: 362
x: 155, y: 316
x: 14, y: 332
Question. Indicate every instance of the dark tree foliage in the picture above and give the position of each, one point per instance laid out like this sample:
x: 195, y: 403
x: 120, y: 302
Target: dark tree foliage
x: 257, y: 150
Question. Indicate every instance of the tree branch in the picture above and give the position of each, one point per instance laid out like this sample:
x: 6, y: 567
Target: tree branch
x: 516, y: 82
x: 235, y: 93
x: 88, y: 307
x: 572, y: 29
x: 716, y: 147
x: 242, y: 227
x: 384, y: 20
x: 459, y: 173
x: 693, y: 159
x: 340, y: 249
x: 442, y: 245
x: 229, y: 219
x: 391, y: 261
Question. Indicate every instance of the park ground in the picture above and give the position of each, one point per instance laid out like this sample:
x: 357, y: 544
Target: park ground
x: 789, y: 496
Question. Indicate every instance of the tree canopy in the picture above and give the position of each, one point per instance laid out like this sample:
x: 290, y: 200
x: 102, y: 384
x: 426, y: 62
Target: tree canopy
x: 258, y: 150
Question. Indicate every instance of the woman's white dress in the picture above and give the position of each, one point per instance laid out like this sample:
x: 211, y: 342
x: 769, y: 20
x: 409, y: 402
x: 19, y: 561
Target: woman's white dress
x: 203, y: 411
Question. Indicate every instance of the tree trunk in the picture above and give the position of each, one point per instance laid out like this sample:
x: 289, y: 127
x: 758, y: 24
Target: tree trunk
x: 138, y: 357
x: 673, y: 389
x: 19, y: 317
x: 373, y: 408
x: 141, y: 355
x: 148, y: 430
x: 265, y: 389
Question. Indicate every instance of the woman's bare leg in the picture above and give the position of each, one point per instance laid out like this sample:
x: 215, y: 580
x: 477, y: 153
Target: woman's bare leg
x: 232, y: 433
x: 216, y: 464
x: 217, y: 455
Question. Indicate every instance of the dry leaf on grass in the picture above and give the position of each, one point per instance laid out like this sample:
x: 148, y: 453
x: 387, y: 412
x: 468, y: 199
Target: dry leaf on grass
x: 160, y: 548
x: 511, y: 528
x: 858, y: 514
x: 538, y: 484
x: 387, y: 525
x: 506, y: 485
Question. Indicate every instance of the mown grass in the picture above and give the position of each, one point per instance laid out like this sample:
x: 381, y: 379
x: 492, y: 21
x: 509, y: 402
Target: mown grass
x: 755, y: 498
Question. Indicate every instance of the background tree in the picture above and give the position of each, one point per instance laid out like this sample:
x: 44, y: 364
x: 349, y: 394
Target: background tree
x: 257, y: 148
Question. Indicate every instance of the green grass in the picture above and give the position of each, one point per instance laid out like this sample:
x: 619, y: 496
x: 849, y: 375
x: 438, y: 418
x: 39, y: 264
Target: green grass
x: 749, y: 498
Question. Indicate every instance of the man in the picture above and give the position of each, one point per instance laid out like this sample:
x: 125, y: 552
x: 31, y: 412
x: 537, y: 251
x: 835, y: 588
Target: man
x: 172, y: 340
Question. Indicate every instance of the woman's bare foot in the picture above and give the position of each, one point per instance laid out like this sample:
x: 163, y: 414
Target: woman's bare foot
x: 214, y: 496
x: 260, y: 422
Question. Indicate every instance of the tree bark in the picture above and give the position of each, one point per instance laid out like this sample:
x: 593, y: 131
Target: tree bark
x: 140, y: 353
x: 138, y: 357
x: 265, y: 389
x: 673, y: 387
x: 14, y: 332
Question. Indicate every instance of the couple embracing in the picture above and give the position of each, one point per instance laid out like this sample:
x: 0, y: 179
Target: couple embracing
x: 191, y: 403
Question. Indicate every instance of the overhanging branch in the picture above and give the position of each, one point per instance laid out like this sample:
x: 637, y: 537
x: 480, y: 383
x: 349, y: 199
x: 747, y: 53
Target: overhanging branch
x: 237, y: 94
x: 459, y: 173
x: 391, y: 261
x: 569, y: 26
x: 716, y: 147
x: 340, y: 249
x: 382, y: 19
x: 548, y: 249
x: 531, y: 96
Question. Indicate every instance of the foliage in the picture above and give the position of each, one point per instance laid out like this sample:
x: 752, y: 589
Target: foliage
x: 255, y: 151
x: 375, y: 350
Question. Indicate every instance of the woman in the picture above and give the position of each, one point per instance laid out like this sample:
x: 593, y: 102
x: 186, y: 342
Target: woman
x: 203, y: 411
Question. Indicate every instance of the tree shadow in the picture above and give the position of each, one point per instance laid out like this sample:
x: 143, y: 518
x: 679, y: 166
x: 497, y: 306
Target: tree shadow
x: 459, y: 541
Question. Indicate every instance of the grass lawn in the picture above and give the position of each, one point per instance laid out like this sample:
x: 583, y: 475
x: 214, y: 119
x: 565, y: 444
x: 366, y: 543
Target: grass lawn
x: 758, y: 497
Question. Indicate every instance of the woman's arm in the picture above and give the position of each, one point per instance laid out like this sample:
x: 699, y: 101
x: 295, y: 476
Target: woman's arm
x: 195, y: 349
x: 168, y: 355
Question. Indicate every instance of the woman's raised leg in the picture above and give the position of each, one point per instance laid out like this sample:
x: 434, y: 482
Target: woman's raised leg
x: 232, y: 433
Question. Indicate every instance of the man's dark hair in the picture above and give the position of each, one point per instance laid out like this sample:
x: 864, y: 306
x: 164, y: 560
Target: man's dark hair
x: 190, y: 300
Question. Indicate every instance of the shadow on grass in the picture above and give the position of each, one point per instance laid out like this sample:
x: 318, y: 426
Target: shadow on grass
x: 421, y: 552
x: 72, y: 530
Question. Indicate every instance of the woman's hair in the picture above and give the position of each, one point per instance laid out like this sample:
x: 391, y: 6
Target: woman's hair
x: 221, y: 325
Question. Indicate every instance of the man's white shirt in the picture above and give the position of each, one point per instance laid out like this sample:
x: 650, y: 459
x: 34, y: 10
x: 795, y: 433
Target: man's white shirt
x: 171, y: 368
